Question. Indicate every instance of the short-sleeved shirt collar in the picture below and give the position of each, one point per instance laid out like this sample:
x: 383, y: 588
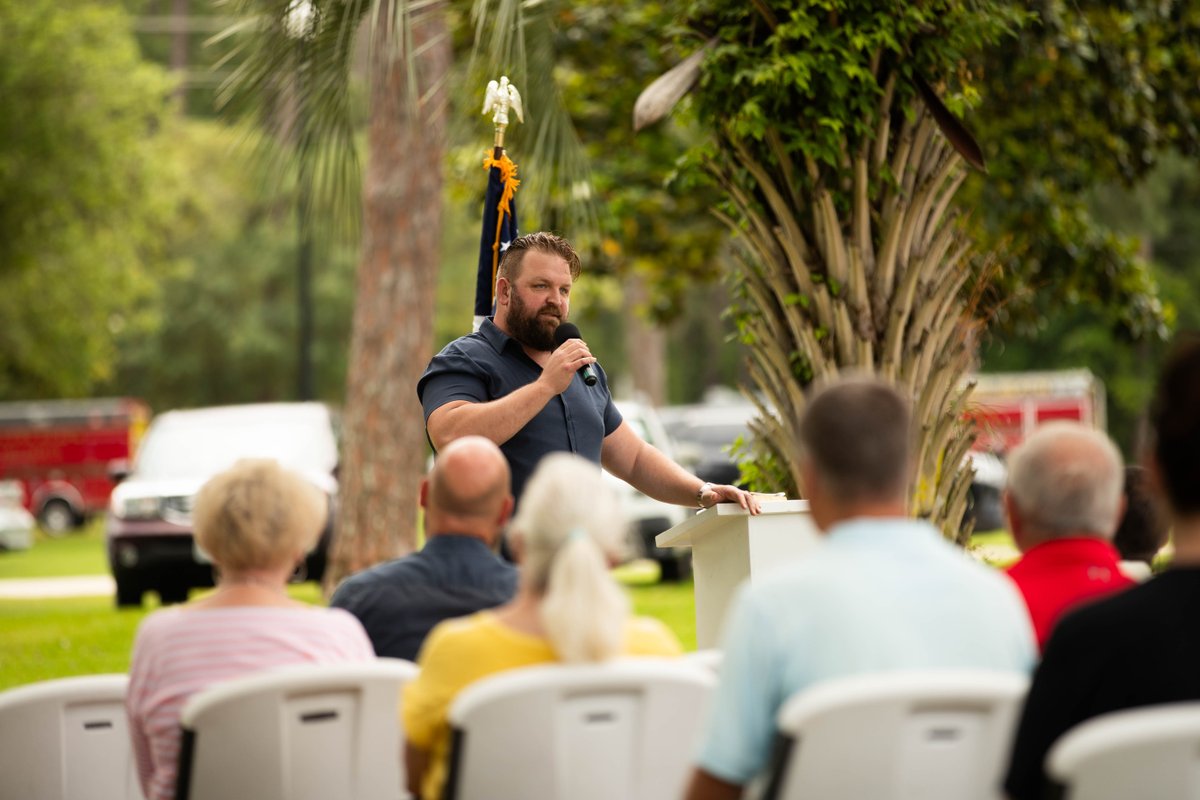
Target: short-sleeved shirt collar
x: 497, y: 338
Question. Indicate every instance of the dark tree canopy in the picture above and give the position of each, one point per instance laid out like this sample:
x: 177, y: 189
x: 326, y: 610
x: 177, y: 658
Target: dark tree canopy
x: 1090, y: 92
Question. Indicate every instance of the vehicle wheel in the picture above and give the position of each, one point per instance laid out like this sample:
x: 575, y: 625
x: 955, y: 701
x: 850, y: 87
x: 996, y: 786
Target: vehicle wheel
x: 173, y: 593
x: 57, y: 518
x: 129, y: 594
x: 986, y: 507
x: 672, y: 569
x: 311, y: 569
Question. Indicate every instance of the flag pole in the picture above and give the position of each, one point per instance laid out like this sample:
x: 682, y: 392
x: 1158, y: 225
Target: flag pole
x: 500, y: 209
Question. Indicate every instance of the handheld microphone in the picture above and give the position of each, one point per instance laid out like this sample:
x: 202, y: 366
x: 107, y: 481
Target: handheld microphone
x: 568, y: 331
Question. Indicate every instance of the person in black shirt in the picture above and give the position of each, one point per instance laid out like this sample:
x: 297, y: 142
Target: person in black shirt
x: 1140, y: 647
x: 513, y: 383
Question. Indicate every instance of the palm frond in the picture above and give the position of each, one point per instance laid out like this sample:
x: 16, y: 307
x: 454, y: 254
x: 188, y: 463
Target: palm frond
x: 516, y: 38
x: 299, y: 88
x: 660, y: 97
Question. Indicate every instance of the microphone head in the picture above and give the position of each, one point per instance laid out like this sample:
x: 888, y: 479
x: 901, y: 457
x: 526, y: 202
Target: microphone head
x: 566, y: 331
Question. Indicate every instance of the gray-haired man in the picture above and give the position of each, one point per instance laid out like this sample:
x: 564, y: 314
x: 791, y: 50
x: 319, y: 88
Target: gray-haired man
x: 1064, y: 500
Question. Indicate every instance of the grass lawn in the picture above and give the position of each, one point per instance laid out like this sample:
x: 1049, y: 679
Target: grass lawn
x: 79, y: 553
x: 994, y: 547
x: 51, y: 638
x: 56, y: 638
x: 60, y: 637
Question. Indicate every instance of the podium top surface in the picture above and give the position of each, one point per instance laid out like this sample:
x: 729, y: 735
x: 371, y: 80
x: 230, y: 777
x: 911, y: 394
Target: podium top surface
x: 719, y: 515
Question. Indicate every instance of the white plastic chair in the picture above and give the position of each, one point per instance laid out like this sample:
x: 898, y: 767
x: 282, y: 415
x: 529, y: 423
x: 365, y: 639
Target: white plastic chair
x: 67, y: 739
x: 623, y: 729
x: 927, y: 735
x: 1149, y: 753
x: 709, y: 659
x: 308, y: 731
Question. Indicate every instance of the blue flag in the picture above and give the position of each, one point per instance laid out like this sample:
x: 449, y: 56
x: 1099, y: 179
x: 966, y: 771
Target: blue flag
x: 499, y: 229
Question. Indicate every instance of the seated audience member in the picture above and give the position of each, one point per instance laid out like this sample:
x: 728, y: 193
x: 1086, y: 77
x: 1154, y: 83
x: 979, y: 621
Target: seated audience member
x: 1138, y: 647
x: 881, y: 592
x: 1143, y: 530
x: 257, y: 521
x: 1063, y: 501
x: 568, y: 531
x: 467, y: 503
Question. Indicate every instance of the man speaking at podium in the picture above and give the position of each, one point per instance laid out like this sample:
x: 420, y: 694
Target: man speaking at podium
x: 512, y: 382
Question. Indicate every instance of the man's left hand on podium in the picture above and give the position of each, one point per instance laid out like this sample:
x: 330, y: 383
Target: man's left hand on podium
x: 710, y: 494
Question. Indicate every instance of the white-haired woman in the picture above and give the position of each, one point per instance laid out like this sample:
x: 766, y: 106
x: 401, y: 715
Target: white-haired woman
x: 256, y: 521
x: 567, y: 533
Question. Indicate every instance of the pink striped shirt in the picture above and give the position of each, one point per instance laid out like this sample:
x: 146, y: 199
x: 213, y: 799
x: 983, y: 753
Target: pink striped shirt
x: 180, y: 651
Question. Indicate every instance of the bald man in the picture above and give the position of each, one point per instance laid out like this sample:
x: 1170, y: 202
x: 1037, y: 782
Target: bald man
x: 467, y: 502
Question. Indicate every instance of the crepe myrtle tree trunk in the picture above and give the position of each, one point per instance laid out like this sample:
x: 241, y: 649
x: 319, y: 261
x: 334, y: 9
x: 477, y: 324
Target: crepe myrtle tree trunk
x: 882, y: 281
x: 383, y: 446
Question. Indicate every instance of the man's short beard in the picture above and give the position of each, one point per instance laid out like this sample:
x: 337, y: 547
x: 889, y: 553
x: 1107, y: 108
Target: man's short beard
x: 528, y: 329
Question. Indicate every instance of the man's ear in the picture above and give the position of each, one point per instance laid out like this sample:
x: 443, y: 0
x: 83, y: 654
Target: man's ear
x: 818, y: 507
x: 1016, y: 525
x: 503, y: 290
x: 423, y: 494
x: 506, y: 509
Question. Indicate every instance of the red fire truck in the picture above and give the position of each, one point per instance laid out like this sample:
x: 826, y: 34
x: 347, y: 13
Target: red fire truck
x: 62, y: 451
x: 1008, y: 406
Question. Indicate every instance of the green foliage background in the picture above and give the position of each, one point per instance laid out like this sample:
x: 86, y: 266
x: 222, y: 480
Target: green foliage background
x: 141, y: 253
x: 89, y: 191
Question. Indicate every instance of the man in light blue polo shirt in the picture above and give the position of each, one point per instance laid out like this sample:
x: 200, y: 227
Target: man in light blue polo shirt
x: 882, y: 592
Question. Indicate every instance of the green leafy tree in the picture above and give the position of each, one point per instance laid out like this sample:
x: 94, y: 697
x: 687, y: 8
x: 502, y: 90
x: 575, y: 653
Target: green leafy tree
x: 815, y: 102
x: 1090, y: 93
x: 831, y: 149
x: 297, y: 58
x: 1163, y: 213
x: 89, y: 191
x: 656, y: 234
x: 408, y: 99
x: 222, y: 327
x: 1092, y: 125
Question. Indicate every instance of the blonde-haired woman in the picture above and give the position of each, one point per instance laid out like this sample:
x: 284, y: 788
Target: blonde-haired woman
x: 567, y: 533
x: 256, y: 521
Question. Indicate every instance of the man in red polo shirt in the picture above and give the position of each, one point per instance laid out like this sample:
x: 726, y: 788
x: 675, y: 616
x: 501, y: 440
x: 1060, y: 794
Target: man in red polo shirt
x: 1064, y: 500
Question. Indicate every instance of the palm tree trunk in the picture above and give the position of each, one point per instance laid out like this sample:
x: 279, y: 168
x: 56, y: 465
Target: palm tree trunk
x: 384, y: 444
x: 645, y: 345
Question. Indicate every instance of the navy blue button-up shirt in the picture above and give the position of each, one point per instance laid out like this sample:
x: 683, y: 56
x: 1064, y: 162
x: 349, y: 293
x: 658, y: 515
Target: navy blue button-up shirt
x: 488, y: 365
x: 399, y: 601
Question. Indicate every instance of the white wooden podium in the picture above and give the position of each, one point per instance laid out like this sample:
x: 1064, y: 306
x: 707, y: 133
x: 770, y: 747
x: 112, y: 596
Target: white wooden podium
x: 728, y: 546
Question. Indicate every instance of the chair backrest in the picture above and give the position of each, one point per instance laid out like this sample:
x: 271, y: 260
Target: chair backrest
x: 299, y: 732
x: 623, y: 729
x: 1146, y: 752
x: 709, y: 659
x: 898, y: 736
x: 67, y: 739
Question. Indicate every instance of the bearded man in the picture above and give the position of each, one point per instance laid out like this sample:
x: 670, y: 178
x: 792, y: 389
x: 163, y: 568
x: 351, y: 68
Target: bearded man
x: 511, y: 383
